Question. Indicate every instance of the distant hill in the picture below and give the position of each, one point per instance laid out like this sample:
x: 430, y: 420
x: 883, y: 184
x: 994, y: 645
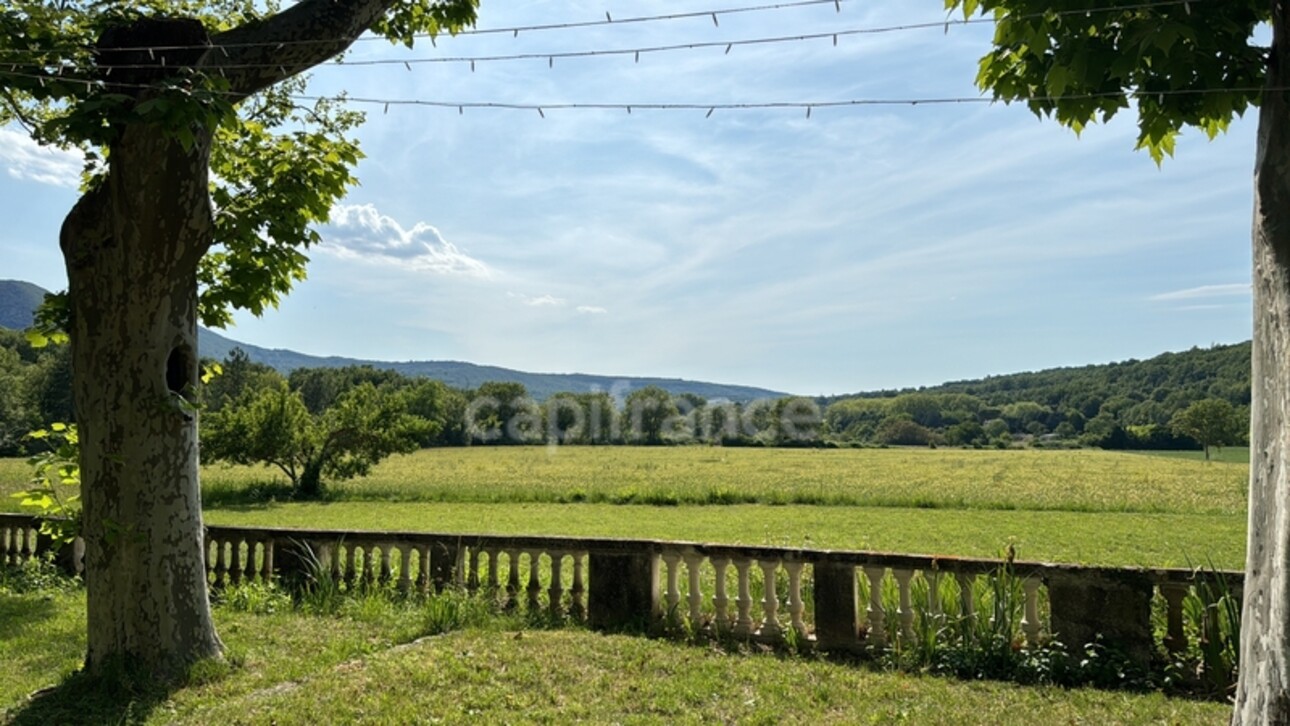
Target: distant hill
x: 470, y: 375
x: 19, y: 299
x: 1137, y: 391
x: 18, y: 303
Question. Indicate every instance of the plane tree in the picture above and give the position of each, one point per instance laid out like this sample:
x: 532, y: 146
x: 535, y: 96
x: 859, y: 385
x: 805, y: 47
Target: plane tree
x: 1197, y: 64
x: 204, y: 175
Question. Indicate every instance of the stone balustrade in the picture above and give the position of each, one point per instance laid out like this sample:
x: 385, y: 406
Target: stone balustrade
x: 827, y: 599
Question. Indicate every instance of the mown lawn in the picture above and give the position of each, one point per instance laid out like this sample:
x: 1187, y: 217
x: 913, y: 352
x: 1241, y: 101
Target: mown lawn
x: 354, y: 667
x: 1151, y: 540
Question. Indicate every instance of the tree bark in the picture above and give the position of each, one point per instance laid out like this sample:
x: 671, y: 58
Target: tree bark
x: 131, y: 246
x: 1263, y: 691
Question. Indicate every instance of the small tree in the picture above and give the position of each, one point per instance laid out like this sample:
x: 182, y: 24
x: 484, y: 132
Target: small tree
x: 274, y: 427
x: 1211, y: 422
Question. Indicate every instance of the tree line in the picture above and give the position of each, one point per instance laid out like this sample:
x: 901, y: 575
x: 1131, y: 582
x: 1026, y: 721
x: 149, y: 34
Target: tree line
x: 318, y: 423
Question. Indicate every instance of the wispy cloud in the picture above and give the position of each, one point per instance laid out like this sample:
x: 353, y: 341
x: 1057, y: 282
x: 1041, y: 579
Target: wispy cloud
x: 1205, y: 292
x: 23, y: 158
x: 592, y: 310
x: 544, y: 301
x: 362, y: 231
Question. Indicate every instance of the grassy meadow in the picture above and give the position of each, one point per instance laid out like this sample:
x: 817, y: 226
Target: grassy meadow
x: 1033, y: 480
x: 1087, y: 506
x: 384, y: 661
x: 381, y: 662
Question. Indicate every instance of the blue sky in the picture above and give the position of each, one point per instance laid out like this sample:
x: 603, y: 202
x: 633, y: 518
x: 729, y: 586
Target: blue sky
x: 861, y: 248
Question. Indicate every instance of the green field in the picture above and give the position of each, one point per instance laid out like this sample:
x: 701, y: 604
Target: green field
x: 1077, y: 481
x: 371, y: 663
x: 1085, y: 506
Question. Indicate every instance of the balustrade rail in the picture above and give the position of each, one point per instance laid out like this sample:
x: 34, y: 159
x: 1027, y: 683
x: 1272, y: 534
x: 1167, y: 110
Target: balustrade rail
x: 829, y: 599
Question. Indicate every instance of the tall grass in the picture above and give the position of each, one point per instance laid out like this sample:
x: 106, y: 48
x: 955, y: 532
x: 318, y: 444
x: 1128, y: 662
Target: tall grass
x: 1085, y: 481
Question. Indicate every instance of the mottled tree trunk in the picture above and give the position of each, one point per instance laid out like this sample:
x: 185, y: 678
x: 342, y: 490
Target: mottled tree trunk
x: 1263, y: 695
x: 132, y: 246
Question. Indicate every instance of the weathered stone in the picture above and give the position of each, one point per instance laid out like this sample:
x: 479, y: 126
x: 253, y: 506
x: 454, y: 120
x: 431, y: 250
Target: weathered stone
x: 444, y: 562
x: 623, y: 590
x: 837, y: 620
x: 1115, y: 606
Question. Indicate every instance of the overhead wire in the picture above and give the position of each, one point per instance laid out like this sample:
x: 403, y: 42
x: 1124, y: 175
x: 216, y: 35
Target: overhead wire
x: 945, y: 24
x: 711, y: 107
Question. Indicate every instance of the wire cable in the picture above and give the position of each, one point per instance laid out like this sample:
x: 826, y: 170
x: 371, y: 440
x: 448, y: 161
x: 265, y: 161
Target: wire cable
x: 728, y: 44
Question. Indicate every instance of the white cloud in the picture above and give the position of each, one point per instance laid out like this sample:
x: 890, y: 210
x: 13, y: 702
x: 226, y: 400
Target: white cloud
x: 591, y: 310
x: 537, y: 302
x: 1205, y: 292
x: 25, y: 159
x: 544, y: 301
x: 359, y: 230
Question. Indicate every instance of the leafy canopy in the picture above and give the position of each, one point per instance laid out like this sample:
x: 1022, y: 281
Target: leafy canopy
x: 1180, y: 63
x: 273, y: 426
x: 277, y: 164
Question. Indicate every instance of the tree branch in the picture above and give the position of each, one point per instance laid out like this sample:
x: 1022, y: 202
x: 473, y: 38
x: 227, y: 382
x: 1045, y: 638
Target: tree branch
x: 16, y: 109
x: 257, y: 55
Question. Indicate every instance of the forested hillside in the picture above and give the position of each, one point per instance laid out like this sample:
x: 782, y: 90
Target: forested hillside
x: 1126, y: 404
x: 1132, y: 404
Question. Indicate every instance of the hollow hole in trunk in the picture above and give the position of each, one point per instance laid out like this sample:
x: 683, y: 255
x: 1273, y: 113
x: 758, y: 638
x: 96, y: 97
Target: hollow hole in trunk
x: 179, y: 371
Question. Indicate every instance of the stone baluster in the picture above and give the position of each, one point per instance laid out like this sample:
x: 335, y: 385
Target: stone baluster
x: 933, y: 579
x: 770, y: 601
x: 78, y: 555
x: 719, y: 600
x: 266, y: 560
x: 512, y: 578
x: 459, y: 568
x: 351, y: 565
x: 238, y: 565
x: 743, y: 623
x: 693, y: 568
x: 555, y: 593
x: 578, y: 593
x: 369, y: 564
x: 4, y: 545
x: 207, y: 561
x: 535, y: 586
x: 1030, y: 613
x: 472, y: 569
x: 405, y: 568
x: 386, y: 569
x: 967, y: 603
x: 877, y: 627
x: 423, y: 564
x: 221, y: 563
x: 672, y: 595
x: 248, y: 566
x: 1175, y: 635
x: 493, y: 571
x: 903, y: 577
x: 796, y: 606
x: 25, y: 548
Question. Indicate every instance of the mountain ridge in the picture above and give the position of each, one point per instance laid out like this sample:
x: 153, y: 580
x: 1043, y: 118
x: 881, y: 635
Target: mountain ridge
x: 19, y: 299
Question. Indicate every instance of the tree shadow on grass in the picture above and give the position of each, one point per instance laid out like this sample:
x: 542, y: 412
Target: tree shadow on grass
x: 257, y: 495
x: 80, y: 699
